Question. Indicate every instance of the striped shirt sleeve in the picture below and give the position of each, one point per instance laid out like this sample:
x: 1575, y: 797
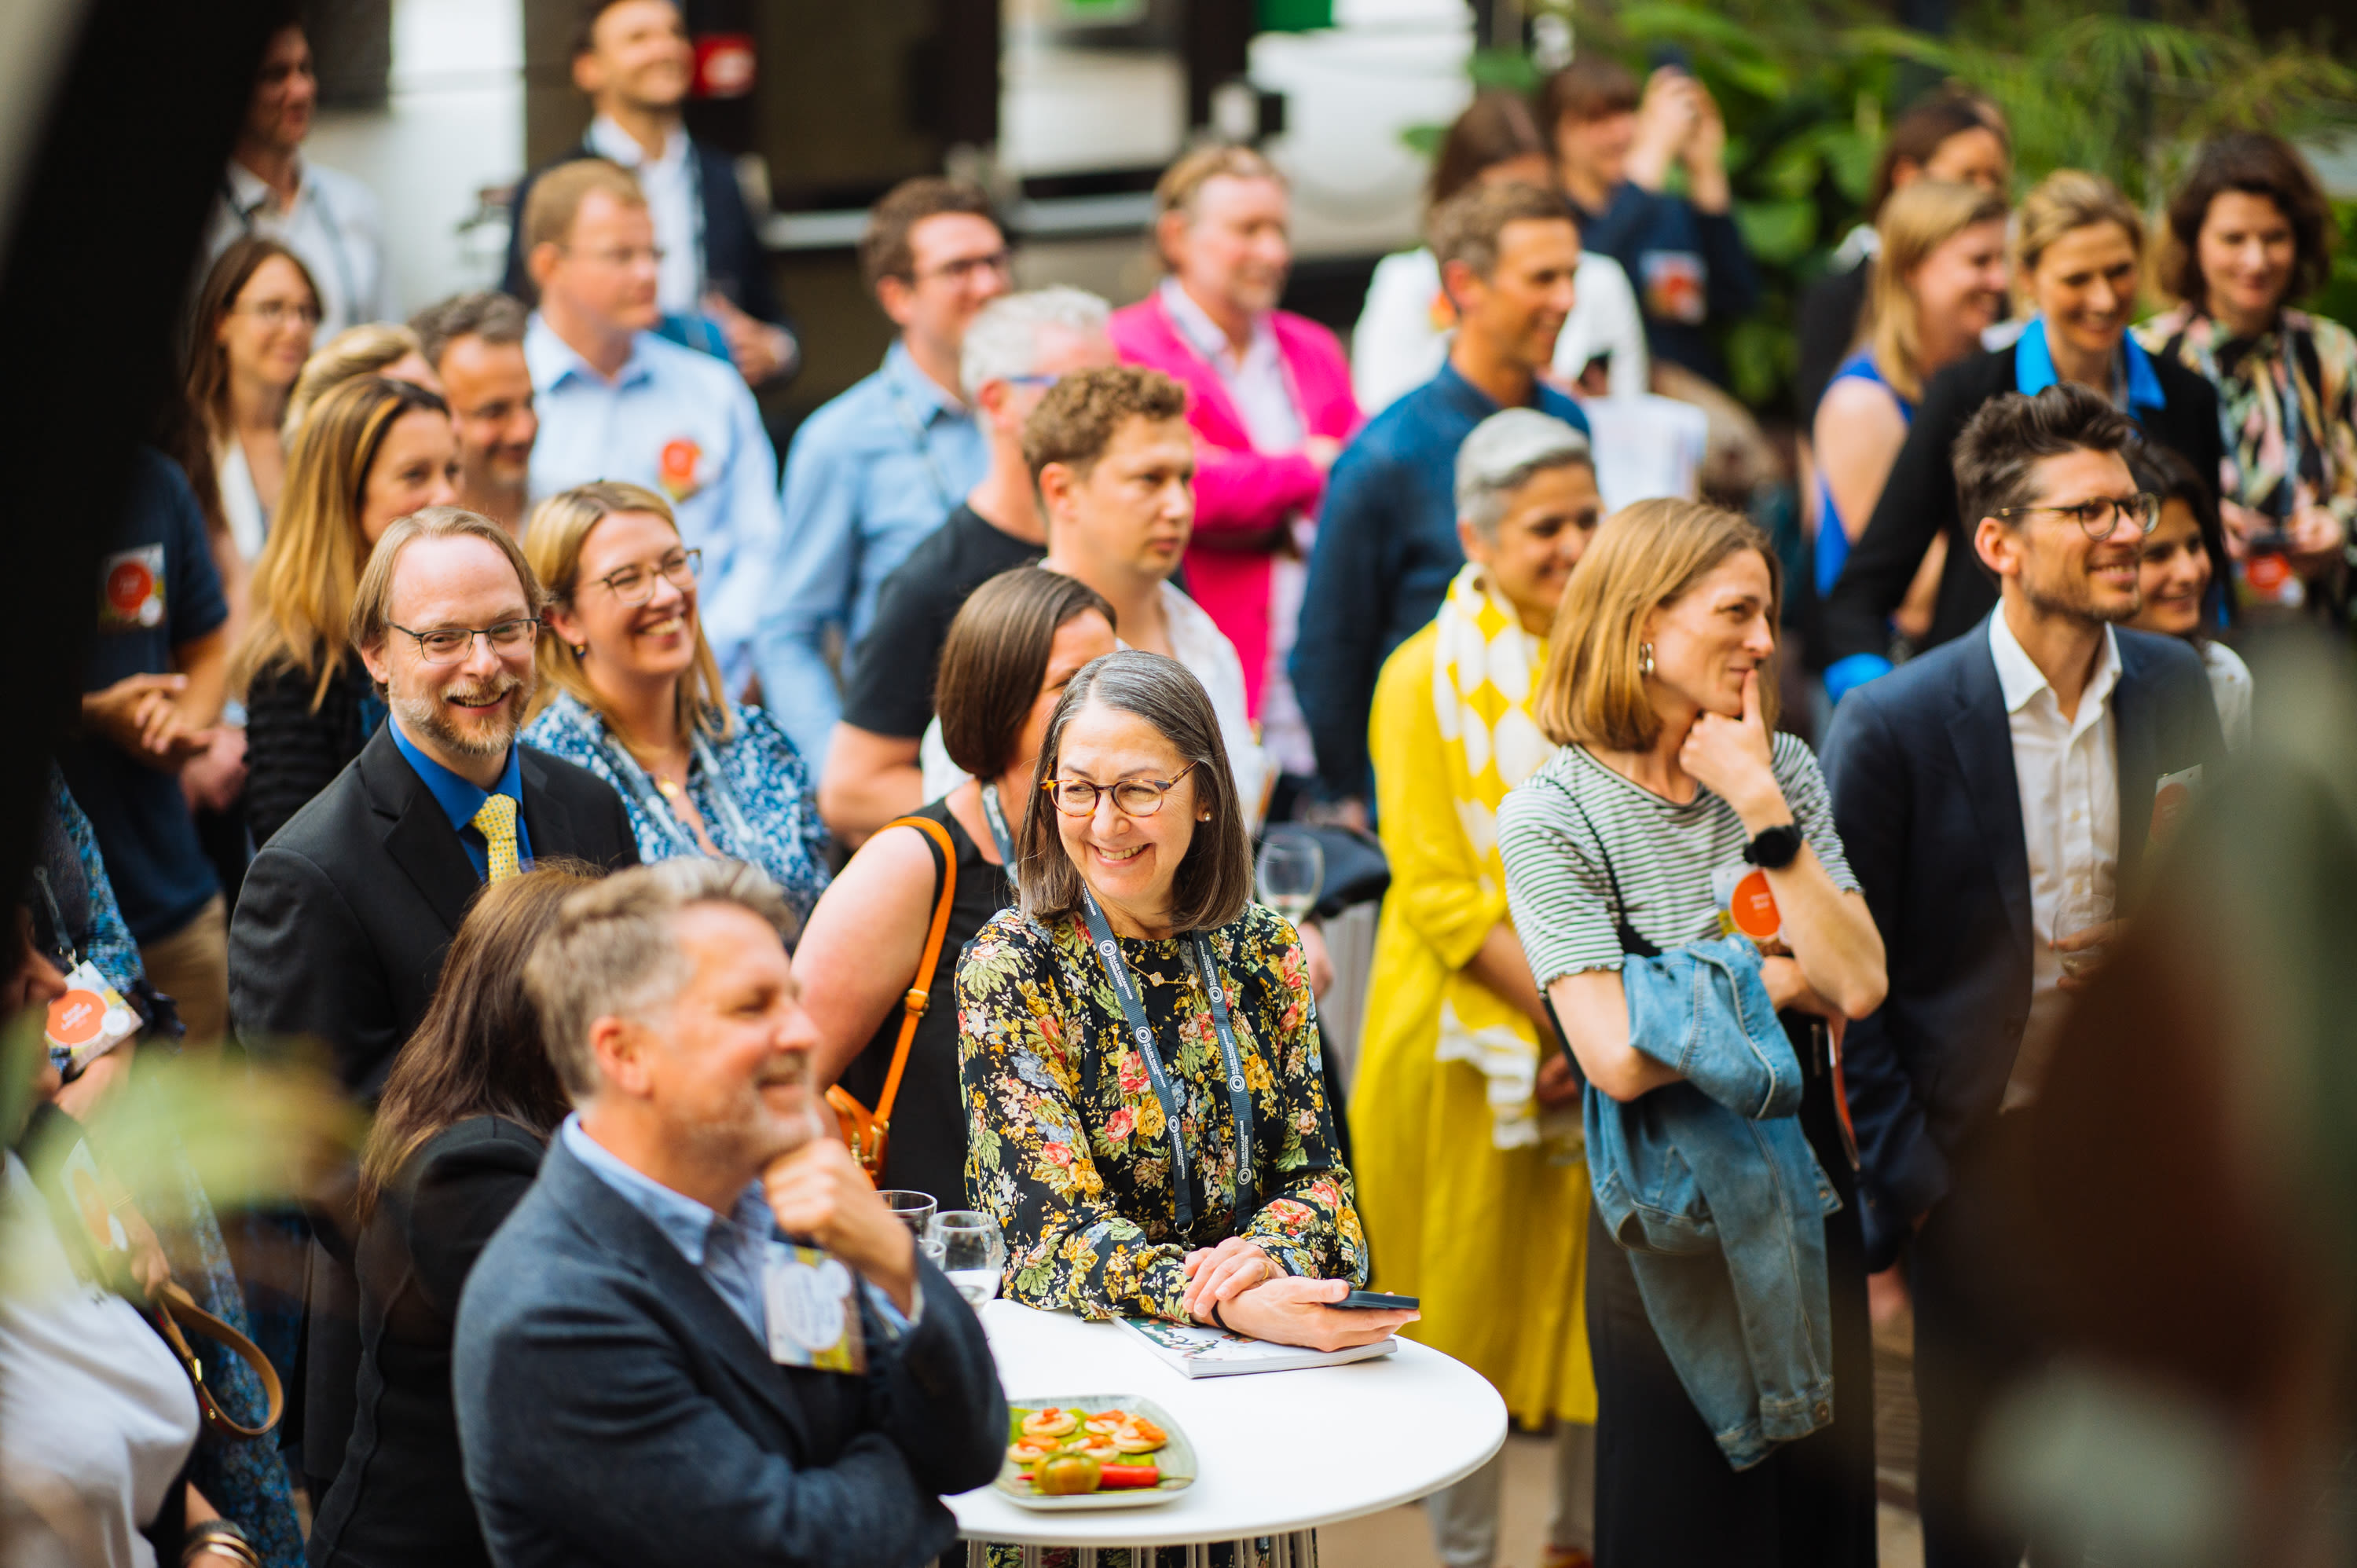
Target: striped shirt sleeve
x: 1559, y: 898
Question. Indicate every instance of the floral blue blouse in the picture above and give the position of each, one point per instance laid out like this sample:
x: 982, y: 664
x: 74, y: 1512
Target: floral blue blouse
x: 751, y: 789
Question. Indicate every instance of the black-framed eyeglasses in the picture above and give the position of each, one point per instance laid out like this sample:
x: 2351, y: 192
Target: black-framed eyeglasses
x: 2101, y: 516
x: 998, y: 263
x: 636, y: 585
x: 1131, y: 797
x: 449, y: 645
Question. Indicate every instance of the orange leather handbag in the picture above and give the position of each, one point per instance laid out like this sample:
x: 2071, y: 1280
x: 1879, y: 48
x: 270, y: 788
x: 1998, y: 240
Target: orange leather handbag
x: 867, y: 1132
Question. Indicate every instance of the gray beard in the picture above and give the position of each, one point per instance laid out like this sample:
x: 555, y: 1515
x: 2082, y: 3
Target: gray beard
x: 423, y: 716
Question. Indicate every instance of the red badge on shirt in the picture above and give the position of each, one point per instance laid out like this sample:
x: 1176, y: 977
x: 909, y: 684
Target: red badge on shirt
x: 131, y: 589
x: 680, y: 459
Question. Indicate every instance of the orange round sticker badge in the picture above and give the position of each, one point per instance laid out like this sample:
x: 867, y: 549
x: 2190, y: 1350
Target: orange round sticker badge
x: 127, y: 587
x: 1753, y: 907
x: 678, y: 463
x: 2266, y: 572
x: 76, y: 1017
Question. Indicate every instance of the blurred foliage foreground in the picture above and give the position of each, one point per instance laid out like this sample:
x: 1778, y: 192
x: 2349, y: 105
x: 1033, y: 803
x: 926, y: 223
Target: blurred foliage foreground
x: 1807, y: 89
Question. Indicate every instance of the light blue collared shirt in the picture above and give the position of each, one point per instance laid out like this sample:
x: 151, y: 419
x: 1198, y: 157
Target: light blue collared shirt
x: 683, y: 425
x: 2034, y: 371
x: 730, y: 1251
x: 460, y: 798
x: 868, y: 476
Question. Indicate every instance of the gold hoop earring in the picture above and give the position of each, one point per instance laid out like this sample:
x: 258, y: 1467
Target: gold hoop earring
x: 1644, y: 659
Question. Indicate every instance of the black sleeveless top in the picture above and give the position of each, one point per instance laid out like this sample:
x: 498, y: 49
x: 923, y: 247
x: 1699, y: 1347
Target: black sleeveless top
x: 926, y: 1150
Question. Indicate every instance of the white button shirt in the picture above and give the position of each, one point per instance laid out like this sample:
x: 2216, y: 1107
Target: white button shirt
x: 333, y: 227
x: 2068, y: 772
x: 669, y: 182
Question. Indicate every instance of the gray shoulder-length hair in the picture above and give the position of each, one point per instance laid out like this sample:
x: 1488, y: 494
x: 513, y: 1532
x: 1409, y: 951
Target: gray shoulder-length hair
x: 1214, y: 880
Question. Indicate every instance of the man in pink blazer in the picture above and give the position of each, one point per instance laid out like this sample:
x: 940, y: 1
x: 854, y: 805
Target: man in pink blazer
x: 1269, y: 401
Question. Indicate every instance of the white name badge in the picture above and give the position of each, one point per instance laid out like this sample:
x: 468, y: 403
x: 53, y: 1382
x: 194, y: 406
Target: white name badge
x: 814, y: 1317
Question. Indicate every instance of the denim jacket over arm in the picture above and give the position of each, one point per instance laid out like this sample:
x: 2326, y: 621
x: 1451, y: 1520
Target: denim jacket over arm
x: 1711, y: 1186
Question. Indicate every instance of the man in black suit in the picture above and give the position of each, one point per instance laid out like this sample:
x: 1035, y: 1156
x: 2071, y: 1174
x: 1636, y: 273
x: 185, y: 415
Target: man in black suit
x: 633, y: 61
x: 347, y: 912
x: 645, y: 1370
x: 1996, y: 797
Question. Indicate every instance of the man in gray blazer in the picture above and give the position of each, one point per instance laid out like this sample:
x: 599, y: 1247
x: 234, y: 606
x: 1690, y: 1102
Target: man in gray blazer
x: 643, y: 1354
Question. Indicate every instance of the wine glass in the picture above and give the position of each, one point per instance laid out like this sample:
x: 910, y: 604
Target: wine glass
x: 2082, y: 908
x: 1292, y: 872
x: 914, y: 1209
x: 974, y: 1252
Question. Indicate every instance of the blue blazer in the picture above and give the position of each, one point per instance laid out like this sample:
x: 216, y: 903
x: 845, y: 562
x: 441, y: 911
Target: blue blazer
x: 1920, y: 767
x: 613, y: 1410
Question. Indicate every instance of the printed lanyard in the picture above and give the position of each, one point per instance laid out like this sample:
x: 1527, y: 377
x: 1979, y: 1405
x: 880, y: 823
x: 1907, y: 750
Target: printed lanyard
x: 999, y: 835
x: 1239, y: 1097
x: 736, y: 832
x: 918, y: 437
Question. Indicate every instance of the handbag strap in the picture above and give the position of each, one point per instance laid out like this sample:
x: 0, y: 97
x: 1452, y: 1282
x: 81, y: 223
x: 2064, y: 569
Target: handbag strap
x: 174, y: 1307
x: 919, y: 996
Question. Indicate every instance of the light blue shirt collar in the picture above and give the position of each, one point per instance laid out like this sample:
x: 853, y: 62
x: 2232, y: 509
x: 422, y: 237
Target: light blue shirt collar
x: 924, y: 395
x: 686, y: 1223
x: 2033, y: 367
x: 553, y: 361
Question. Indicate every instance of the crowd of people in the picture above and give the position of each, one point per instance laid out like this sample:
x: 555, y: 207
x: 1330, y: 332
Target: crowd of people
x: 666, y: 845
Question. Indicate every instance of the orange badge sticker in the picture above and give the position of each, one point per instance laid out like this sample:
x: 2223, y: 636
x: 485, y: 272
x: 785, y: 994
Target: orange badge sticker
x: 1753, y: 906
x: 76, y: 1017
x: 680, y: 459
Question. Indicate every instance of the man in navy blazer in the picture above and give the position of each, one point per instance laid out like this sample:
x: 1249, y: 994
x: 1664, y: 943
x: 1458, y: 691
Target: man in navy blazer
x: 632, y: 1360
x: 1980, y: 788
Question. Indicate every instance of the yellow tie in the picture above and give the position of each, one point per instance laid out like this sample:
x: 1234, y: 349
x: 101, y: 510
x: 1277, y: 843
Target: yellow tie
x: 496, y: 818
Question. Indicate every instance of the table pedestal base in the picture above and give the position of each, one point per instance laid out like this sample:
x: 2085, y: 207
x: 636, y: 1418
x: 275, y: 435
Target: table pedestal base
x: 1297, y: 1549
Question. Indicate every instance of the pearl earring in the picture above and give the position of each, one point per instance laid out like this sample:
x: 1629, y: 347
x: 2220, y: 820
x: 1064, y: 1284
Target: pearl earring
x: 1644, y: 659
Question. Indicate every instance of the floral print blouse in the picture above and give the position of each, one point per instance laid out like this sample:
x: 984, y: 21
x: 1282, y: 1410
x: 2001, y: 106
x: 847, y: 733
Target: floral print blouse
x: 765, y: 777
x: 2287, y: 406
x: 1069, y: 1148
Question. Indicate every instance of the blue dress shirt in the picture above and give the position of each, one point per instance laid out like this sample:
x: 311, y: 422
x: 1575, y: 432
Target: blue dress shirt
x: 869, y: 476
x: 730, y: 1251
x: 1386, y: 554
x: 460, y: 798
x: 720, y: 475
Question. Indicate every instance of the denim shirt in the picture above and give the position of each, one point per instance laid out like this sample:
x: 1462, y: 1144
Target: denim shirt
x: 1711, y: 1186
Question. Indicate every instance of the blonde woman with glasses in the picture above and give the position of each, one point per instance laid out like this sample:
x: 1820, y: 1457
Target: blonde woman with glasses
x: 638, y: 698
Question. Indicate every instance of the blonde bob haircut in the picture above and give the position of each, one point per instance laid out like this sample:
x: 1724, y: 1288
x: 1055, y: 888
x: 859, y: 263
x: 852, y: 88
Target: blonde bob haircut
x: 1645, y: 557
x: 308, y: 570
x: 1919, y: 218
x: 2066, y: 201
x: 552, y: 541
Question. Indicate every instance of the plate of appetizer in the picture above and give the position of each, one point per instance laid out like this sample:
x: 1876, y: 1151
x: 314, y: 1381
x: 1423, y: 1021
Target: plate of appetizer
x: 1084, y: 1452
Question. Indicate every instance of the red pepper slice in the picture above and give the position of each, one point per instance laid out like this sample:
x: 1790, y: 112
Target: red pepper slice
x: 1118, y: 1476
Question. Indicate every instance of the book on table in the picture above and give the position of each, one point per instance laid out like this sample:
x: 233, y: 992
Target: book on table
x: 1198, y: 1351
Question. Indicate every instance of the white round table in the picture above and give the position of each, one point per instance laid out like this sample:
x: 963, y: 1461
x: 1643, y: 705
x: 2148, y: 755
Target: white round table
x: 1278, y: 1453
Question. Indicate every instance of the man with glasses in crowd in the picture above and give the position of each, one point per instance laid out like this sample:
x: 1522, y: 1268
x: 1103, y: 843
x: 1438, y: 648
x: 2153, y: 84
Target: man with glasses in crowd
x: 346, y: 915
x: 1998, y: 797
x: 874, y: 471
x: 475, y: 343
x: 616, y: 402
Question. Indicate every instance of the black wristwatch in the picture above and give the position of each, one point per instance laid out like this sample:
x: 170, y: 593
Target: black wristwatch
x: 1775, y: 848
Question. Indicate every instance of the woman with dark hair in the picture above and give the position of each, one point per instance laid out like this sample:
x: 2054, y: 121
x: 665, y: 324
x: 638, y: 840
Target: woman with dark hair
x: 1954, y: 134
x: 1138, y: 1045
x: 1403, y: 330
x: 372, y: 452
x: 253, y: 320
x: 2247, y: 233
x: 468, y: 1111
x: 1014, y: 646
x: 2182, y: 576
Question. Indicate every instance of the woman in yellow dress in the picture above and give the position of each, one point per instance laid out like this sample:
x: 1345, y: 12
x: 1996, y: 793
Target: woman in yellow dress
x: 1473, y: 1186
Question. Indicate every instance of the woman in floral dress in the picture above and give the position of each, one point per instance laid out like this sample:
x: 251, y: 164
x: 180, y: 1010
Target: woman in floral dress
x: 1106, y: 1087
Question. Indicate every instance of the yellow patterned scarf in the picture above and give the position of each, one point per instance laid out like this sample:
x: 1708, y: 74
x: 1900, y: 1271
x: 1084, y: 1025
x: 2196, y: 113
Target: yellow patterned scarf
x: 1485, y: 672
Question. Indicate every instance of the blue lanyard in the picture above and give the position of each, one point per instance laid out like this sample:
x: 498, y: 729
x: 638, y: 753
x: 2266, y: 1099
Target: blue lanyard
x: 735, y: 833
x: 999, y: 835
x: 1239, y: 1098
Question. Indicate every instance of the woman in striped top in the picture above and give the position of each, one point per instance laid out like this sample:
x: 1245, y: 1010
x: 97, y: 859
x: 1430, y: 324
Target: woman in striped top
x: 1659, y: 691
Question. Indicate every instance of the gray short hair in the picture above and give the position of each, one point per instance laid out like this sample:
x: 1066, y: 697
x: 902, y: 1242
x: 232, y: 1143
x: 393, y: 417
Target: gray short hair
x: 494, y: 318
x: 1002, y: 341
x: 1502, y: 454
x: 614, y: 953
